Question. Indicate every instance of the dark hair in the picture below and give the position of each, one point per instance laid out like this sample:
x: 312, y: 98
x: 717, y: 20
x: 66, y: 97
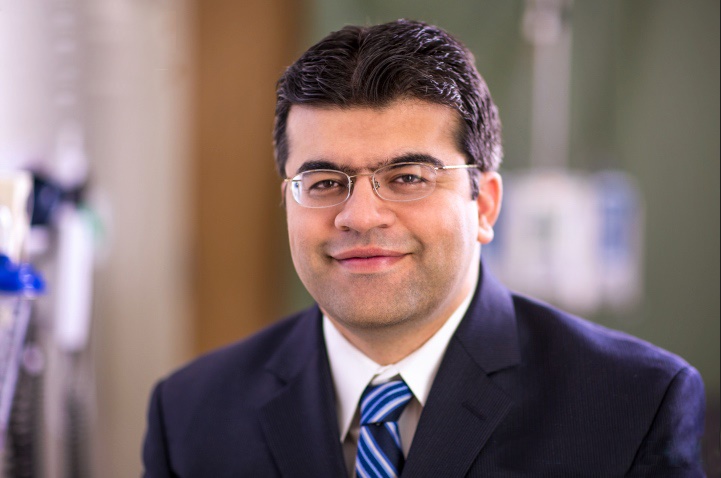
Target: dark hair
x: 372, y: 66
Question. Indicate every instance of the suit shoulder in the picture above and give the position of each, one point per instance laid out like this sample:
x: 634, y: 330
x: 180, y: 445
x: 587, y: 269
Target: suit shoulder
x: 548, y: 331
x: 244, y: 358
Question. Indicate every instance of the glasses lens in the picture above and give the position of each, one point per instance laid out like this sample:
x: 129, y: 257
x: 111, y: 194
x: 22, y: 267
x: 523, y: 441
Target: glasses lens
x: 320, y: 188
x: 405, y: 181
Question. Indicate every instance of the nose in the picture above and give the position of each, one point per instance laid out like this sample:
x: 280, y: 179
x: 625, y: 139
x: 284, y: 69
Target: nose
x: 364, y: 210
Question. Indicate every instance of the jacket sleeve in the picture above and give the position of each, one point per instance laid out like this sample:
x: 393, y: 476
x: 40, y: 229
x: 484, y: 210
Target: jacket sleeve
x: 156, y: 460
x: 672, y: 445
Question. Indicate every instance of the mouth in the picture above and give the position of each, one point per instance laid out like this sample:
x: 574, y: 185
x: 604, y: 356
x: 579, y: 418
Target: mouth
x: 368, y: 260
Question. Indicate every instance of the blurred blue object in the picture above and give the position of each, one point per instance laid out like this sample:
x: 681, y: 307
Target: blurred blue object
x: 19, y: 278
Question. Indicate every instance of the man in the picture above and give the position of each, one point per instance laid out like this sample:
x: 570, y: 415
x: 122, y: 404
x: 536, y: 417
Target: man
x: 415, y: 359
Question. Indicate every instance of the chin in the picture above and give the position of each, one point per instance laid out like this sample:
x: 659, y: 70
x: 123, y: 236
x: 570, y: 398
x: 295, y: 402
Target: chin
x: 369, y: 322
x: 371, y: 313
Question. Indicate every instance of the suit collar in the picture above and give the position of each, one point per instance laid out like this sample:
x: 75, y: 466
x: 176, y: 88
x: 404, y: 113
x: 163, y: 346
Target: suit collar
x: 465, y: 405
x: 304, y: 342
x: 299, y: 421
x: 489, y: 332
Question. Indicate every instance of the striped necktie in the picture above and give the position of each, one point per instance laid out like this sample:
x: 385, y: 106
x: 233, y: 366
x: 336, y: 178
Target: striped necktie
x: 380, y: 454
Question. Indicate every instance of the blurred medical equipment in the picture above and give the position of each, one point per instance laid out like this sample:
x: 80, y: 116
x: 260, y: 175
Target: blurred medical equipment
x: 19, y: 283
x: 43, y: 352
x: 573, y: 238
x: 47, y: 432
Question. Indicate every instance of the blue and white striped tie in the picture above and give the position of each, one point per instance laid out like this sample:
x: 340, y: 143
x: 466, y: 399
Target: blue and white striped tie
x: 380, y: 454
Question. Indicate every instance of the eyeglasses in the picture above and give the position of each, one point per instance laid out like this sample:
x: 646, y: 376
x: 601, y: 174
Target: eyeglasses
x: 394, y: 182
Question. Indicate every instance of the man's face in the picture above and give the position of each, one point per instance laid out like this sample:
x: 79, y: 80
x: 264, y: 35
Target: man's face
x: 372, y: 263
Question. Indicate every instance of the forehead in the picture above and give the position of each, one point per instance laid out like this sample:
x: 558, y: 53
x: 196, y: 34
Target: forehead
x: 363, y: 138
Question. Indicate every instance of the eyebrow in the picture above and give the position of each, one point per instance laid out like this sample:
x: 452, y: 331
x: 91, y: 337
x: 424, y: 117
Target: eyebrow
x: 404, y: 158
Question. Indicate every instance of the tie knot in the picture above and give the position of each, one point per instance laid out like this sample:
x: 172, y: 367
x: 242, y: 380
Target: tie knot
x: 384, y: 402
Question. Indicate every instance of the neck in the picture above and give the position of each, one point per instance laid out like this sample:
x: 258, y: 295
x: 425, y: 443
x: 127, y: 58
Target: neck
x: 389, y: 345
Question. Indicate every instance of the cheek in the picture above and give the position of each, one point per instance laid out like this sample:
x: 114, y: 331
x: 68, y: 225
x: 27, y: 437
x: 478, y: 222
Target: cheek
x: 295, y: 233
x: 299, y: 249
x: 305, y: 232
x: 456, y: 223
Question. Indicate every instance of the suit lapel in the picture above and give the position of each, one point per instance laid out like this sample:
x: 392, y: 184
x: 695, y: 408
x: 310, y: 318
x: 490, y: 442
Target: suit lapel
x: 465, y: 405
x: 299, y: 422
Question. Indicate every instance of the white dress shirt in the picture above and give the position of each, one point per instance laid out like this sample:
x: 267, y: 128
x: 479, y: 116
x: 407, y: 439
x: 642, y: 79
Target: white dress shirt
x: 352, y: 371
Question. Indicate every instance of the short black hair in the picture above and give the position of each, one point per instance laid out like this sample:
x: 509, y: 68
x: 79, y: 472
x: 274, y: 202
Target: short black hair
x: 373, y: 66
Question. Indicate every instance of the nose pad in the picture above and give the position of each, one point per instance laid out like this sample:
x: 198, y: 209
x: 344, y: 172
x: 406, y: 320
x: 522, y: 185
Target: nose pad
x: 364, y: 210
x: 375, y: 185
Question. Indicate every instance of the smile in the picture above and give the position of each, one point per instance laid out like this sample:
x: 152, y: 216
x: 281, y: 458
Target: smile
x: 368, y: 260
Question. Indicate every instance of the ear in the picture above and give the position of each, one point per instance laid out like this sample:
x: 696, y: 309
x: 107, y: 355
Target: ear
x: 489, y: 204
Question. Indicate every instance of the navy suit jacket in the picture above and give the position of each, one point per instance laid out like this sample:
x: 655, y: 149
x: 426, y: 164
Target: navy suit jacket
x: 523, y: 390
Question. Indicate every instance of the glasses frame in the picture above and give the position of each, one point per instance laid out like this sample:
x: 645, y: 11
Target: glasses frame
x: 374, y: 184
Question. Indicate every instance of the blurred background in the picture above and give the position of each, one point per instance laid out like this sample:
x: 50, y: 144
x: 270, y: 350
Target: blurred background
x: 148, y: 125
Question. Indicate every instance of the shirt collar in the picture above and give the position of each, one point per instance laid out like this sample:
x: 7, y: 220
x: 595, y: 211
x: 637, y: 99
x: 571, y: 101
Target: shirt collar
x: 352, y: 371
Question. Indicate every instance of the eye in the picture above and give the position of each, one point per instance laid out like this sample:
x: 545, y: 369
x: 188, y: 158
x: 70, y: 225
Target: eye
x: 407, y: 178
x: 325, y: 184
x: 408, y: 174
